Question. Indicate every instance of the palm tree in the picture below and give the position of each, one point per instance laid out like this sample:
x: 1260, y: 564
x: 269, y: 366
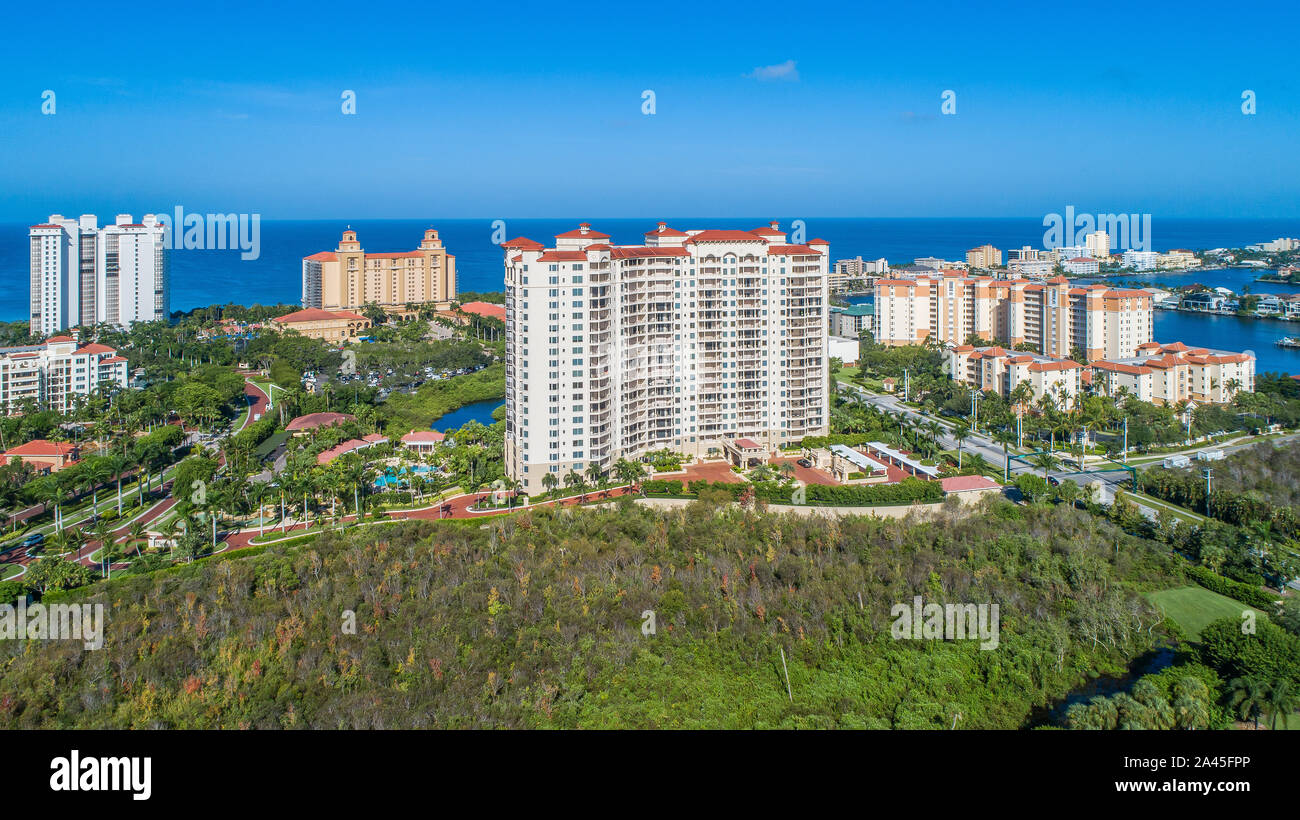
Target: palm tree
x: 595, y: 475
x: 1004, y: 436
x: 1045, y: 462
x: 960, y: 432
x: 1249, y: 696
x: 575, y: 479
x: 1281, y: 701
x: 136, y: 534
x: 628, y: 472
x: 548, y: 482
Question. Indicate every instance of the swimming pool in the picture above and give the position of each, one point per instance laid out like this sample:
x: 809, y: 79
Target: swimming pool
x: 397, y: 479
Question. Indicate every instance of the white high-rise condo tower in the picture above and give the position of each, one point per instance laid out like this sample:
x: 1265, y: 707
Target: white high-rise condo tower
x: 82, y: 274
x: 692, y: 341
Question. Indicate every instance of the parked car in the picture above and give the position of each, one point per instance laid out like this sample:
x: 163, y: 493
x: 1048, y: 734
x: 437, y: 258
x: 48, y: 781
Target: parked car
x: 803, y: 462
x: 34, y: 539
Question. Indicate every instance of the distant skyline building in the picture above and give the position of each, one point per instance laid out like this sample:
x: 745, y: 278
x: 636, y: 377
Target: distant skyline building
x: 82, y: 274
x: 349, y: 278
x: 856, y: 269
x: 985, y: 256
x: 1098, y: 244
x: 1033, y: 268
x: 1140, y: 260
x: 1082, y: 266
x: 1277, y: 245
x: 1052, y: 317
x: 696, y: 341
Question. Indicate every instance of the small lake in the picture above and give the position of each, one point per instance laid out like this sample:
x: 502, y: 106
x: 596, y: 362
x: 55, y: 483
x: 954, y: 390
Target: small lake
x: 480, y: 411
x: 1053, y: 714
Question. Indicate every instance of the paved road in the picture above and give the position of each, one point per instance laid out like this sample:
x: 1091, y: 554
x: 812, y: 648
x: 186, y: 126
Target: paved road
x: 1110, y: 477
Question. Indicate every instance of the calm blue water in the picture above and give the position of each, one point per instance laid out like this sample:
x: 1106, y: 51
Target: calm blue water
x: 480, y: 411
x: 397, y: 480
x: 201, y: 278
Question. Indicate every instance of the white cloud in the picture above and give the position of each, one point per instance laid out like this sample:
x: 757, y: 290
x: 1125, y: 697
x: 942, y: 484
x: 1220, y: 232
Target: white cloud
x: 780, y: 71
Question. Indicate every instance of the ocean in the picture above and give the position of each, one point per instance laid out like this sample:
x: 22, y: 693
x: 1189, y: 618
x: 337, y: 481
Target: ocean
x: 204, y: 277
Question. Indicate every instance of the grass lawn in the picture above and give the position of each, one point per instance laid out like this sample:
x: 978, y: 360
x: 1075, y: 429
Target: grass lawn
x: 9, y: 570
x: 1194, y: 607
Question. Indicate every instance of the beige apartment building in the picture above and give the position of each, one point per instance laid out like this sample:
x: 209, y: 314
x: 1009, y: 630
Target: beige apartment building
x: 696, y: 341
x: 1002, y: 371
x: 1051, y: 316
x: 348, y: 278
x: 985, y: 256
x: 1168, y: 374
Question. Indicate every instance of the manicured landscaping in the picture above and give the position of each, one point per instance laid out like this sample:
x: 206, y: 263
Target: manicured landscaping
x: 1194, y: 607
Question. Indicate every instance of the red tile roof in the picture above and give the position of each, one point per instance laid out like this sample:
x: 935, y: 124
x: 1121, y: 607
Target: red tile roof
x: 42, y: 447
x: 485, y: 309
x: 423, y: 437
x: 323, y: 256
x: 726, y: 236
x: 311, y: 421
x: 966, y: 483
x: 94, y: 348
x: 664, y: 230
x: 524, y: 243
x: 584, y: 231
x: 316, y: 315
x: 563, y: 256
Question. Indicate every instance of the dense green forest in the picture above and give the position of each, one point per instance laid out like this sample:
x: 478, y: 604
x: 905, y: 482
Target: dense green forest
x: 536, y: 620
x: 1256, y: 486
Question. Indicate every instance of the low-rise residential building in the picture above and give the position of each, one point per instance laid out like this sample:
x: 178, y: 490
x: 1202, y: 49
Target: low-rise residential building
x: 55, y: 373
x: 1168, y: 374
x: 852, y: 320
x: 847, y: 272
x: 1178, y: 258
x: 1277, y: 245
x: 1030, y: 268
x: 1064, y: 252
x: 1082, y: 266
x: 1028, y: 253
x: 1140, y: 260
x: 423, y: 441
x: 44, y: 455
x: 352, y: 445
x: 1205, y: 301
x: 1002, y: 371
x: 336, y: 326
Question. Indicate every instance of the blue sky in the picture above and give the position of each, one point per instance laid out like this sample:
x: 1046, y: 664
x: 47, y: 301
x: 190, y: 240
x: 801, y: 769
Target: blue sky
x: 529, y: 110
